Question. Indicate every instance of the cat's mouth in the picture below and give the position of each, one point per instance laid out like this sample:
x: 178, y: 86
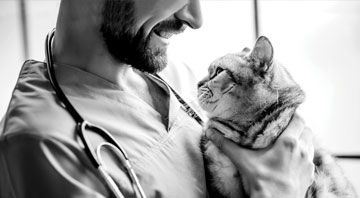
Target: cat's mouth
x: 205, y: 92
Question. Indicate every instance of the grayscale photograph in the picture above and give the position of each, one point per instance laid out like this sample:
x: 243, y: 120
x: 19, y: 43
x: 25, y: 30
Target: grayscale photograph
x: 180, y: 98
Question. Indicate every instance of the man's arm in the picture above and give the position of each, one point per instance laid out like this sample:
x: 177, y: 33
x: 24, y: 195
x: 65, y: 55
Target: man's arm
x: 31, y: 166
x: 285, y: 170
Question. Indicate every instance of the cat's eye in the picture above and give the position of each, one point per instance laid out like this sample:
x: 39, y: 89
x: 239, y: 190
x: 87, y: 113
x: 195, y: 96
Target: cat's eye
x: 218, y: 70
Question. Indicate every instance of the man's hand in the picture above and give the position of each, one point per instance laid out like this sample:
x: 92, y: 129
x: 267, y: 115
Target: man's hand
x: 285, y: 170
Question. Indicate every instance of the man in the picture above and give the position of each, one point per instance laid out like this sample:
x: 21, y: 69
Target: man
x: 103, y: 53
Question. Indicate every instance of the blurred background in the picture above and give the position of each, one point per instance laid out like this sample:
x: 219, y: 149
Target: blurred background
x: 317, y: 40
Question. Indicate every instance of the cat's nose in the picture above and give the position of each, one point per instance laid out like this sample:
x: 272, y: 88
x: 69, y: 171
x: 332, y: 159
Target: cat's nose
x: 201, y: 83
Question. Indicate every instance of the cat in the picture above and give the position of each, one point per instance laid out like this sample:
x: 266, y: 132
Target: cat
x: 251, y: 98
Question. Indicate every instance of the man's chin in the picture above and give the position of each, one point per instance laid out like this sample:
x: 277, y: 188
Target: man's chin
x: 146, y: 54
x: 155, y: 55
x: 151, y: 61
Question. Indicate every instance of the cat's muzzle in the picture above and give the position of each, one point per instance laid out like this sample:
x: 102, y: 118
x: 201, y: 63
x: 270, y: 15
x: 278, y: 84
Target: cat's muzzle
x: 204, y: 92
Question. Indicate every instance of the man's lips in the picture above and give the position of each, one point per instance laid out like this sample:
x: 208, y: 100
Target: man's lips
x: 164, y: 34
x: 168, y: 33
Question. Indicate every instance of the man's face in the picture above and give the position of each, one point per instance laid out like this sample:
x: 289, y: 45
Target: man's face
x: 136, y: 32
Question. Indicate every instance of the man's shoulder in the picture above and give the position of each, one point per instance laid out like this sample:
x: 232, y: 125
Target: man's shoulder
x: 33, y: 68
x: 33, y: 107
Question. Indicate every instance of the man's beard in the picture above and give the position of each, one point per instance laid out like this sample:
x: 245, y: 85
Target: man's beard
x: 130, y: 47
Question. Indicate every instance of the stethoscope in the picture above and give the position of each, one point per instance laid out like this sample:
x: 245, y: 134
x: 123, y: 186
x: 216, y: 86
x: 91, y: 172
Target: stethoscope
x: 82, y: 125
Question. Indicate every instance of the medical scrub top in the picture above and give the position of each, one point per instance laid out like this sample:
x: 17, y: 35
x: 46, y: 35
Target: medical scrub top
x: 40, y: 152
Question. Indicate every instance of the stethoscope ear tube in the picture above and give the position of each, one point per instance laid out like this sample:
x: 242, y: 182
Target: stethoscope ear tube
x: 50, y: 70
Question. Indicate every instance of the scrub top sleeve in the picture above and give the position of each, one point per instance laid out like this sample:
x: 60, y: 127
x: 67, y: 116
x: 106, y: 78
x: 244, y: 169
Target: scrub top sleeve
x: 34, y: 167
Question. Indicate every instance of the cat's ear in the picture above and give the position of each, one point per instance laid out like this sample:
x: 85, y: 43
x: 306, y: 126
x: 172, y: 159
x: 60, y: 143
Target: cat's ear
x: 246, y: 50
x: 262, y: 53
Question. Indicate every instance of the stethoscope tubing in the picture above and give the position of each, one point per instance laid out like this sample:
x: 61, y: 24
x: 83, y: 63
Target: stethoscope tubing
x: 82, y: 125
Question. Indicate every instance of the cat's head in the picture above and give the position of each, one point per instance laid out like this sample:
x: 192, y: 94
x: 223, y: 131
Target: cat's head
x: 241, y: 86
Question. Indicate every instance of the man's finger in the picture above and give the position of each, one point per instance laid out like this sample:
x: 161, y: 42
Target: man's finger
x: 306, y: 141
x: 294, y: 129
x: 243, y: 158
x: 288, y: 141
x: 307, y: 136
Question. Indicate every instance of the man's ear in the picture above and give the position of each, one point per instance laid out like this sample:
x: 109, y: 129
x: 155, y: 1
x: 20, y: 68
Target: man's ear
x: 262, y: 53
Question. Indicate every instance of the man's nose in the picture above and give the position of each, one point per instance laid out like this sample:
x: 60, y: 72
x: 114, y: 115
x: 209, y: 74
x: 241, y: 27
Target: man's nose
x: 191, y: 14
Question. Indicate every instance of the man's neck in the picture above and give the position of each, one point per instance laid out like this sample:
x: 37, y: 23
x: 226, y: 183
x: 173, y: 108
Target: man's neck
x: 78, y: 41
x: 122, y: 75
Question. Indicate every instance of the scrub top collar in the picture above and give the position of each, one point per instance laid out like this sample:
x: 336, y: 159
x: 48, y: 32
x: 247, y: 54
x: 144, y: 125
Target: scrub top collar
x: 75, y: 80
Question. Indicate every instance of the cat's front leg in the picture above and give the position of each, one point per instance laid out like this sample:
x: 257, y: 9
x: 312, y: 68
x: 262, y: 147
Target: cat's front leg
x: 226, y: 179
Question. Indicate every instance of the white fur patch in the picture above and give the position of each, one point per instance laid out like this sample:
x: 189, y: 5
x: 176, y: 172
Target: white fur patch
x: 226, y: 177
